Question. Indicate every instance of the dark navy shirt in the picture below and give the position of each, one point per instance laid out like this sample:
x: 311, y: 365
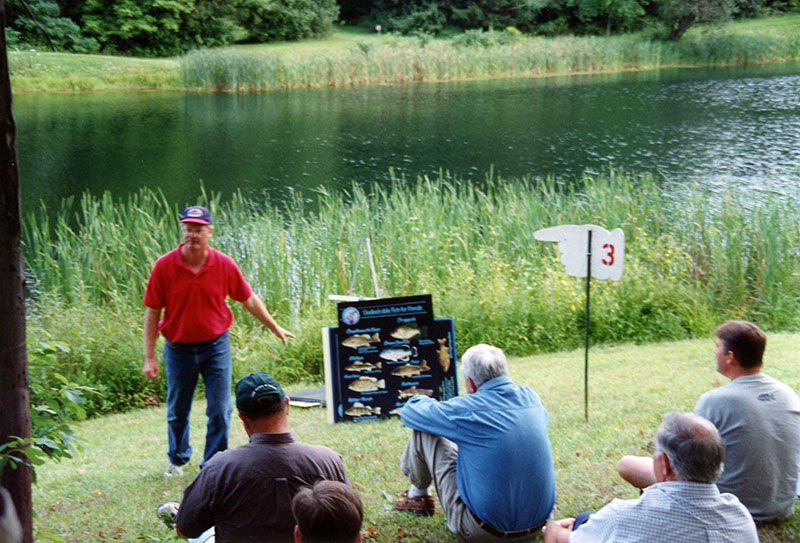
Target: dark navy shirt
x: 246, y: 493
x: 504, y: 469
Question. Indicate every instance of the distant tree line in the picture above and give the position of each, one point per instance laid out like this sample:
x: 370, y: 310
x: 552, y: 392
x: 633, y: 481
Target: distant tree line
x: 164, y: 27
x: 670, y: 18
x: 168, y: 27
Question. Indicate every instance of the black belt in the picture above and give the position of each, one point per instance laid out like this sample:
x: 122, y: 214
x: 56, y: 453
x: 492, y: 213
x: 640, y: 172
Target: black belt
x: 198, y: 344
x: 499, y: 533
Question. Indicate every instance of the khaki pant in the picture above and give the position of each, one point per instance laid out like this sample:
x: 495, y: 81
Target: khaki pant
x: 432, y: 459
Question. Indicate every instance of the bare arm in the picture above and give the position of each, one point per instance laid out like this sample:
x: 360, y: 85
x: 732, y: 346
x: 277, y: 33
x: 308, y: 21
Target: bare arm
x: 637, y: 470
x: 558, y: 531
x: 256, y: 308
x: 150, y: 329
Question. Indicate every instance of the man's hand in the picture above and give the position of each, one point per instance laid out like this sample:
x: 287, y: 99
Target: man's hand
x: 150, y: 368
x: 282, y: 334
x: 558, y: 531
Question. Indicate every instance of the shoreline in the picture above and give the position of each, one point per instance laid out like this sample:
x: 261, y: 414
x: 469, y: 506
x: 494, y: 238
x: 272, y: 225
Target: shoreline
x: 366, y: 60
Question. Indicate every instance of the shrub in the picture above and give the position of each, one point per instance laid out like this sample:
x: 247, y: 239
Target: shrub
x: 284, y: 20
x: 55, y: 402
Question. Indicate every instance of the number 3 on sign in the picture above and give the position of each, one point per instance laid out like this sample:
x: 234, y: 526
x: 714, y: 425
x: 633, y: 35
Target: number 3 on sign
x: 608, y: 249
x: 609, y: 260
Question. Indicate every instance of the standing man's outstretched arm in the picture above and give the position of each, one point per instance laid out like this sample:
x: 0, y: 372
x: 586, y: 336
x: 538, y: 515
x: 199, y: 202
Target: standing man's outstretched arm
x: 257, y: 308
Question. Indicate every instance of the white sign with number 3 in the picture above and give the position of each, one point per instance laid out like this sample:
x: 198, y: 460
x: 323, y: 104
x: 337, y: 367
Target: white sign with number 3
x: 608, y: 249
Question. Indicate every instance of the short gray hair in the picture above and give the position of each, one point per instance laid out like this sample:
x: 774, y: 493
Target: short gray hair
x: 693, y: 446
x: 483, y: 362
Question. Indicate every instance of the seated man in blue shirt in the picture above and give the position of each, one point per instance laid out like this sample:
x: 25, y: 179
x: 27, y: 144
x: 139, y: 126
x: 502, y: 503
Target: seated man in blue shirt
x: 487, y: 453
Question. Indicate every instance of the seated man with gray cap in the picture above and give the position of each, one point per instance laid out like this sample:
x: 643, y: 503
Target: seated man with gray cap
x: 246, y: 493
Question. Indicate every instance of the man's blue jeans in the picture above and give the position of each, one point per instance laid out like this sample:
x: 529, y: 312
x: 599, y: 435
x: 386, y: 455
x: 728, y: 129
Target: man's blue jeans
x: 183, y: 362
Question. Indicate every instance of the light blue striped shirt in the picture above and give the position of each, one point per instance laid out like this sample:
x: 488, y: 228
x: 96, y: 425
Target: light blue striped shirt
x: 671, y: 512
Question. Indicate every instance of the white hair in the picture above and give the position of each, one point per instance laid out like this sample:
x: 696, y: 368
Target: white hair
x: 483, y: 362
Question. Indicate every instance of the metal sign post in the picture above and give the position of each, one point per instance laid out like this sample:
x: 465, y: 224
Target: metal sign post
x: 586, y: 348
x: 605, y: 249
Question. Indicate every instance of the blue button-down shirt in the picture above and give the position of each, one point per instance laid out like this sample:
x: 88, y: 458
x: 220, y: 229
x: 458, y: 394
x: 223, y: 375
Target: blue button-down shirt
x: 504, y: 469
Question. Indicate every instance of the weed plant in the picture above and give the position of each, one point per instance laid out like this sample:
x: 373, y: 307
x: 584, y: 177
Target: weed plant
x: 693, y: 258
x: 110, y: 489
x: 406, y: 60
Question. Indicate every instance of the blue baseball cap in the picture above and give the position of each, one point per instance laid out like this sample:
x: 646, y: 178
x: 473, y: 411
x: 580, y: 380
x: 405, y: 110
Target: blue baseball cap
x: 254, y: 386
x: 196, y: 214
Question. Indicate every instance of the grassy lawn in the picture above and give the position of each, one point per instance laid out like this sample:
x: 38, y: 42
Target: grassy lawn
x: 34, y: 71
x: 110, y: 490
x: 43, y: 71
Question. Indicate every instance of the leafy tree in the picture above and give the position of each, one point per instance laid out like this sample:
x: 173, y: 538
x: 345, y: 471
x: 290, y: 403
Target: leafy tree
x: 211, y: 23
x: 274, y: 20
x: 54, y: 403
x: 62, y: 31
x: 605, y: 16
x: 680, y: 15
x: 140, y: 27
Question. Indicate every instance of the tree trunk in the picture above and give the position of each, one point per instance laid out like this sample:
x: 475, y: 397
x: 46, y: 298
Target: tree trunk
x: 14, y: 404
x: 684, y: 23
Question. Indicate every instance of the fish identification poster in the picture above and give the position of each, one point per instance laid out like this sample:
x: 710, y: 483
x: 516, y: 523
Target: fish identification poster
x: 382, y: 353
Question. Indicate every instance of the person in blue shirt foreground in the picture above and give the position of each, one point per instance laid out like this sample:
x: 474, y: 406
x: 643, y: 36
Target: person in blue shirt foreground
x: 682, y: 506
x: 487, y: 453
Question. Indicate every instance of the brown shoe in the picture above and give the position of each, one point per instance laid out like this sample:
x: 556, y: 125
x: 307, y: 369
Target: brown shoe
x: 422, y: 505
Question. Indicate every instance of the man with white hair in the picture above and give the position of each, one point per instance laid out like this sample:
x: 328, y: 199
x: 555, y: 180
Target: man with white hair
x: 683, y: 506
x: 487, y: 453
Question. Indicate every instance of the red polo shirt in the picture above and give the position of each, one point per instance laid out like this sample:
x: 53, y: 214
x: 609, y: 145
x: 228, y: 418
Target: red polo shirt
x: 195, y: 305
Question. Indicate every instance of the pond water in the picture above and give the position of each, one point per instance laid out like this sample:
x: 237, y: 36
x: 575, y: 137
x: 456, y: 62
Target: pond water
x: 718, y: 125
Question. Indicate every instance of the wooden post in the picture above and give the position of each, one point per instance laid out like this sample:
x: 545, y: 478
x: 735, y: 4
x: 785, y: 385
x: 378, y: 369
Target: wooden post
x: 14, y: 402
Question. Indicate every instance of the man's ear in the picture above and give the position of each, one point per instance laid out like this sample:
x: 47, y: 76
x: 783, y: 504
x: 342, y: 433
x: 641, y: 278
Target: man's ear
x: 663, y: 468
x: 471, y: 388
x: 244, y: 422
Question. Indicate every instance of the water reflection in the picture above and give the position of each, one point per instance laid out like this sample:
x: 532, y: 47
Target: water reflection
x: 710, y: 126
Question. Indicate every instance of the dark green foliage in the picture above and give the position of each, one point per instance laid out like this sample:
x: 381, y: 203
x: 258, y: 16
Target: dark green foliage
x: 680, y: 15
x: 62, y: 31
x: 55, y: 402
x: 139, y: 27
x: 210, y: 23
x: 282, y: 20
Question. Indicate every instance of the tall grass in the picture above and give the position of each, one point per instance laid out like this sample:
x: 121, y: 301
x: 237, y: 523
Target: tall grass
x: 693, y: 258
x: 402, y: 61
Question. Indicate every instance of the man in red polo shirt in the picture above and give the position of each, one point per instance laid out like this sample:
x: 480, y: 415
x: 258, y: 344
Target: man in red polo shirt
x: 191, y: 284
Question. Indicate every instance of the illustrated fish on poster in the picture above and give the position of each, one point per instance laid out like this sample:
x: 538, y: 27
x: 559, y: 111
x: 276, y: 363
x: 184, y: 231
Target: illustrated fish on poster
x: 400, y: 352
x: 409, y: 370
x: 414, y: 391
x: 444, y: 354
x: 361, y: 410
x: 367, y: 384
x: 396, y: 411
x: 360, y: 340
x: 358, y: 365
x: 407, y: 331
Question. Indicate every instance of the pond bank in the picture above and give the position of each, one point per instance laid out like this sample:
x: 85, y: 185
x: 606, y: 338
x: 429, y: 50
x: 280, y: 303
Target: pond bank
x: 364, y: 59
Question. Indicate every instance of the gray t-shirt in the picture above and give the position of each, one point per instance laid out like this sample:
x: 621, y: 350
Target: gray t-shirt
x: 758, y: 418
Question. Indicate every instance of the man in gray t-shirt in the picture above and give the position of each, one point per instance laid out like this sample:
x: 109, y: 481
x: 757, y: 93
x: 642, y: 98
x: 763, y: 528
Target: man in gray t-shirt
x: 758, y: 418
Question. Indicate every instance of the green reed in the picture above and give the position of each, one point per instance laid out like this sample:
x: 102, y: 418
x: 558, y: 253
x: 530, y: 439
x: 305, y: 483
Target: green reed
x: 693, y: 258
x: 402, y: 61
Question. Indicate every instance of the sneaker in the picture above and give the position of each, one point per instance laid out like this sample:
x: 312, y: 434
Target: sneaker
x: 173, y: 469
x: 422, y: 505
x: 166, y: 511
